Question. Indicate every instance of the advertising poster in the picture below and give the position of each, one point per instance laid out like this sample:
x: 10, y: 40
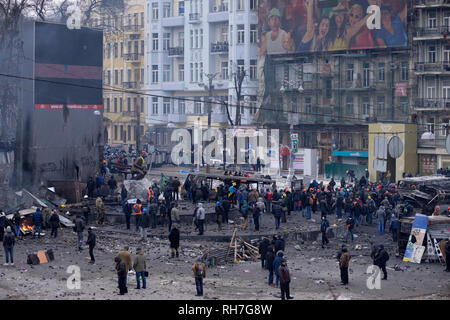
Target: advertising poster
x: 299, y: 161
x: 414, y: 249
x: 299, y: 26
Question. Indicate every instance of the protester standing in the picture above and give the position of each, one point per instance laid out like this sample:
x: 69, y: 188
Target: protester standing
x: 174, y: 238
x: 200, y: 215
x: 270, y: 257
x: 37, y: 221
x: 344, y: 261
x: 285, y: 279
x: 121, y: 275
x: 91, y: 241
x: 199, y: 270
x: 54, y: 224
x: 263, y: 248
x: 79, y: 228
x: 324, y: 229
x: 17, y: 221
x: 140, y: 267
x: 100, y: 210
x: 447, y: 255
x: 381, y: 257
x: 8, y: 245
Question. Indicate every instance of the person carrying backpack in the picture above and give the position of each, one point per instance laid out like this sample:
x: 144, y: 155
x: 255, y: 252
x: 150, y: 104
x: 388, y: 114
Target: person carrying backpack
x: 8, y: 245
x: 199, y: 270
x: 137, y: 209
x: 324, y: 229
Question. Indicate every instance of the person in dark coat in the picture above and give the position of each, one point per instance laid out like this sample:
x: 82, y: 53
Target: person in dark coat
x: 263, y: 247
x: 226, y: 208
x: 54, y: 224
x: 276, y: 265
x: 381, y: 257
x: 91, y: 241
x: 145, y: 223
x: 324, y: 229
x: 127, y: 210
x: 2, y: 225
x: 17, y: 223
x: 79, y: 228
x: 122, y: 275
x: 38, y: 220
x: 112, y: 183
x: 270, y: 257
x: 344, y: 259
x: 285, y: 280
x: 276, y: 210
x: 8, y: 245
x: 174, y: 238
x: 90, y: 187
x: 394, y: 227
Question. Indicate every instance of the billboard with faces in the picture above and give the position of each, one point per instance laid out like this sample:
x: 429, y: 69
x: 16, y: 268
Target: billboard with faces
x: 300, y: 26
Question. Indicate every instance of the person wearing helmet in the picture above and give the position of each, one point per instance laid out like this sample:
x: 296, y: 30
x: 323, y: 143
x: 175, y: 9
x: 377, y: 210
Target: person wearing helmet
x: 436, y: 211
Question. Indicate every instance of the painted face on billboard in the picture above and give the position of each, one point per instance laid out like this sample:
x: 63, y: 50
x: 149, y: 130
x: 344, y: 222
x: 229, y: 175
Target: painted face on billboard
x: 355, y: 14
x: 339, y: 19
x: 274, y: 23
x: 324, y: 27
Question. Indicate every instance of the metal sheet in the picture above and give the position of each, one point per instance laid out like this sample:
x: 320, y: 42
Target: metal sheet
x: 395, y: 147
x: 439, y: 231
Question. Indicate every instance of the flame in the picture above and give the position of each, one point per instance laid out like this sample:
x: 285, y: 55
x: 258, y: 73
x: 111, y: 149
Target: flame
x: 26, y: 228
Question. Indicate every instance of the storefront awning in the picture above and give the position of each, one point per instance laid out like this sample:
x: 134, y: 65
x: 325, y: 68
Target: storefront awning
x: 361, y: 154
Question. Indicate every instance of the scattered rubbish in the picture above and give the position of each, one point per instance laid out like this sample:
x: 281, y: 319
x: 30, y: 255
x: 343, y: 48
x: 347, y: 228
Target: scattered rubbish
x: 297, y: 247
x: 358, y: 247
x: 312, y: 259
x: 319, y: 281
x: 246, y: 271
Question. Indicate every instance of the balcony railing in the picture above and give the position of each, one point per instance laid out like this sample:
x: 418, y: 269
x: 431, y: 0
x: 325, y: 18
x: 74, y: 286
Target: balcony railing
x: 132, y: 56
x: 429, y: 2
x: 219, y: 47
x: 432, y: 67
x: 194, y: 16
x: 133, y: 27
x: 129, y: 113
x: 432, y: 104
x: 130, y: 85
x: 176, y: 51
x: 223, y: 7
x: 427, y: 31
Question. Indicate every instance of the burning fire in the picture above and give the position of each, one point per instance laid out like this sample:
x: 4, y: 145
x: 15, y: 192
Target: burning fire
x: 26, y: 228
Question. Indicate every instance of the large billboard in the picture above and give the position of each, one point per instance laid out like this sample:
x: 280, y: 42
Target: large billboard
x: 299, y: 26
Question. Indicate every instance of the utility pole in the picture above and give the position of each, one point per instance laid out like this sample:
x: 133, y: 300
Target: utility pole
x: 138, y: 125
x: 210, y: 88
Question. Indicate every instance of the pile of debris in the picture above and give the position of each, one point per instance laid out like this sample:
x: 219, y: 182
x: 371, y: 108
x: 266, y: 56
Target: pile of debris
x: 426, y: 190
x: 238, y: 250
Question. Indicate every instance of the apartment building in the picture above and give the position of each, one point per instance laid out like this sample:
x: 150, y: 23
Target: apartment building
x: 194, y: 49
x: 124, y: 71
x: 432, y: 72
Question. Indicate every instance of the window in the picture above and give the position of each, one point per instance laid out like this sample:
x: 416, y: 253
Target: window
x: 224, y: 66
x: 135, y: 104
x: 432, y: 54
x: 166, y: 73
x: 192, y: 72
x: 252, y: 105
x: 129, y: 75
x: 166, y: 41
x: 201, y: 38
x: 446, y: 54
x: 350, y: 141
x: 380, y: 105
x: 201, y: 72
x: 404, y: 106
x: 136, y: 47
x: 181, y: 107
x: 129, y: 104
x: 121, y: 132
x: 231, y: 35
x: 381, y: 71
x: 115, y: 132
x: 108, y: 106
x: 366, y: 75
x: 365, y: 142
x: 129, y: 47
x: 431, y: 92
x: 142, y: 47
x: 116, y: 50
x: 240, y: 5
x: 307, y: 77
x: 253, y: 33
x: 432, y: 21
x: 308, y: 106
x: 181, y: 39
x: 240, y: 66
x: 121, y: 49
x: 181, y: 8
x: 154, y: 105
x: 155, y: 41
x: 166, y: 105
x: 142, y: 19
x: 446, y: 92
x: 349, y: 72
x: 252, y: 69
x: 404, y: 71
x: 121, y: 76
x: 192, y: 39
x: 120, y: 104
x: 181, y: 72
x: 365, y: 106
x: 253, y: 4
x: 109, y: 50
x: 197, y: 107
x: 166, y: 9
x: 155, y: 73
x: 224, y: 33
x: 116, y: 77
x: 294, y: 104
x: 135, y: 72
x: 155, y: 11
x: 142, y: 75
x: 129, y: 132
x: 196, y: 38
x: 109, y: 76
x: 240, y: 33
x: 196, y: 72
x: 349, y: 106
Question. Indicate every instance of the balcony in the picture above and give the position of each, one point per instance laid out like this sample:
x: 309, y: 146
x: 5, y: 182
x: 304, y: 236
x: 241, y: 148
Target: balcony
x: 437, y: 67
x: 218, y: 12
x: 437, y: 142
x: 133, y: 28
x: 430, y: 33
x: 177, y: 21
x: 177, y: 118
x: 421, y: 104
x: 430, y: 3
x: 130, y: 85
x: 129, y: 114
x: 194, y: 18
x: 219, y: 47
x: 219, y: 118
x: 132, y: 56
x: 176, y: 51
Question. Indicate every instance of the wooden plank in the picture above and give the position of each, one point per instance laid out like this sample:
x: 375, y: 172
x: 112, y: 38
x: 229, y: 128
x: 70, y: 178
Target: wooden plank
x: 231, y: 243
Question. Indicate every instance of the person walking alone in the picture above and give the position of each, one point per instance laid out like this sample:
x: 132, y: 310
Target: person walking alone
x: 270, y: 257
x: 324, y: 229
x: 200, y: 215
x: 121, y: 275
x: 91, y: 241
x: 174, y: 238
x: 381, y: 257
x: 344, y: 260
x: 79, y: 228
